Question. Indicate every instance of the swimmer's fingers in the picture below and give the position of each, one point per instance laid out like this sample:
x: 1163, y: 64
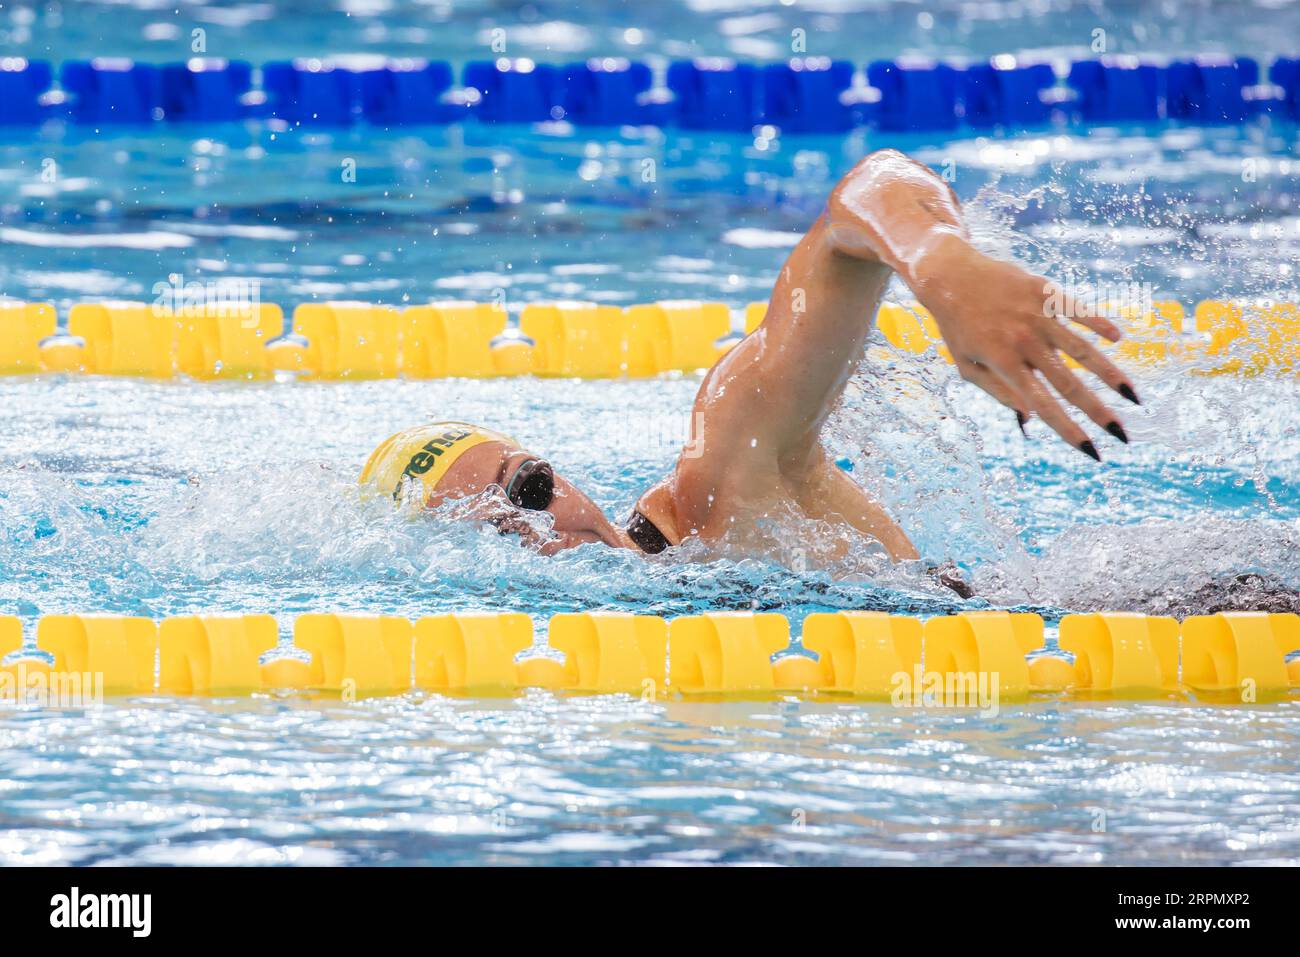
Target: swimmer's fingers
x: 518, y: 525
x: 496, y: 510
x: 492, y: 506
x: 1074, y: 310
x: 984, y: 377
x: 1091, y: 358
x: 1068, y: 386
x: 1049, y: 410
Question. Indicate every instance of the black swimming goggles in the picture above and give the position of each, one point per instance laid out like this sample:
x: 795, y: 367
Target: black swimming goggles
x: 532, y: 486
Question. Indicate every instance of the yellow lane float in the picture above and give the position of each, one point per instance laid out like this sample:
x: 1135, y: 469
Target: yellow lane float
x: 214, y: 654
x: 861, y: 652
x: 227, y: 340
x: 120, y: 651
x: 1239, y: 657
x: 725, y: 652
x: 348, y: 340
x: 125, y: 338
x: 445, y: 339
x: 1119, y: 652
x: 983, y: 642
x: 359, y: 654
x: 675, y: 336
x: 23, y: 326
x: 583, y: 340
x: 357, y: 340
x: 1240, y: 652
x: 470, y: 652
x: 612, y: 652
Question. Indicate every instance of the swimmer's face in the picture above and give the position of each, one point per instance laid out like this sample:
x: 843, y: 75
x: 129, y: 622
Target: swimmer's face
x: 521, y: 479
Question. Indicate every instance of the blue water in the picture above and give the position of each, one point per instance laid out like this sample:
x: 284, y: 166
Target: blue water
x: 564, y: 29
x: 168, y: 498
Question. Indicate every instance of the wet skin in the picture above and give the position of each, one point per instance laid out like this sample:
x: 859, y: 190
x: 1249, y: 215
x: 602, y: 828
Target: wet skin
x: 755, y: 444
x: 490, y: 466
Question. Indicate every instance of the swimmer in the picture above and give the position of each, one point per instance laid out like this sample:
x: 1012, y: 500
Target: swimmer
x: 755, y: 446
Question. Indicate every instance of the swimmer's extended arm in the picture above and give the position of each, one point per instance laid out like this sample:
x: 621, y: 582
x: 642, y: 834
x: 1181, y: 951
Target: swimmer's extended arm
x: 994, y: 316
x: 760, y: 411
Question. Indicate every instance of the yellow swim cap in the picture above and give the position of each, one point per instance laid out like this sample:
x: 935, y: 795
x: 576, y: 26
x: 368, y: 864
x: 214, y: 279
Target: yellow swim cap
x: 424, y: 454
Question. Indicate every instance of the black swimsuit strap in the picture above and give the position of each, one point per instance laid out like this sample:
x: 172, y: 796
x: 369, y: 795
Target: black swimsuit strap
x: 646, y: 534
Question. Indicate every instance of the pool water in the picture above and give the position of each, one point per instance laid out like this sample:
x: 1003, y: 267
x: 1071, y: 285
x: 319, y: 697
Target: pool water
x: 158, y: 499
x: 559, y: 30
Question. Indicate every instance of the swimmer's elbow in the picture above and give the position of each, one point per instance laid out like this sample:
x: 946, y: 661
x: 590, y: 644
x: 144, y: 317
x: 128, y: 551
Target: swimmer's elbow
x: 888, y: 168
x: 883, y: 202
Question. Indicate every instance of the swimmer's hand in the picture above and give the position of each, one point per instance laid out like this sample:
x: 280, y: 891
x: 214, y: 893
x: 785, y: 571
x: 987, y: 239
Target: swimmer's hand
x: 1004, y: 328
x: 1001, y: 323
x: 496, y: 509
x: 949, y: 575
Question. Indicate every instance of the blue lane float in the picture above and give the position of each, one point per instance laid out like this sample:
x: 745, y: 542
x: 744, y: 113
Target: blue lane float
x: 111, y: 90
x: 515, y: 91
x: 310, y: 92
x: 1210, y: 91
x: 1285, y: 74
x: 714, y: 94
x: 22, y: 85
x: 811, y: 95
x: 611, y: 91
x: 409, y: 92
x: 205, y: 91
x: 1116, y: 91
x: 914, y: 95
x: 1003, y: 93
x: 802, y: 95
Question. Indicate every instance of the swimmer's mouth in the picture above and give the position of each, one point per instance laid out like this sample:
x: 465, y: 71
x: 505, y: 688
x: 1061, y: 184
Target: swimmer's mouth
x: 645, y: 534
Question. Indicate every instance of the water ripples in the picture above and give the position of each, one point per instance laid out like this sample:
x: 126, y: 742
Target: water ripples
x: 552, y: 780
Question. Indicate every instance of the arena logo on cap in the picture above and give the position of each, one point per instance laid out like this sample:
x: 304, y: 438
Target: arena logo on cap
x: 423, y: 460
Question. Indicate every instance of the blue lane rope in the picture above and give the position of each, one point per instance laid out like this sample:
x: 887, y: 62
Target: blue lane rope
x: 804, y: 95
